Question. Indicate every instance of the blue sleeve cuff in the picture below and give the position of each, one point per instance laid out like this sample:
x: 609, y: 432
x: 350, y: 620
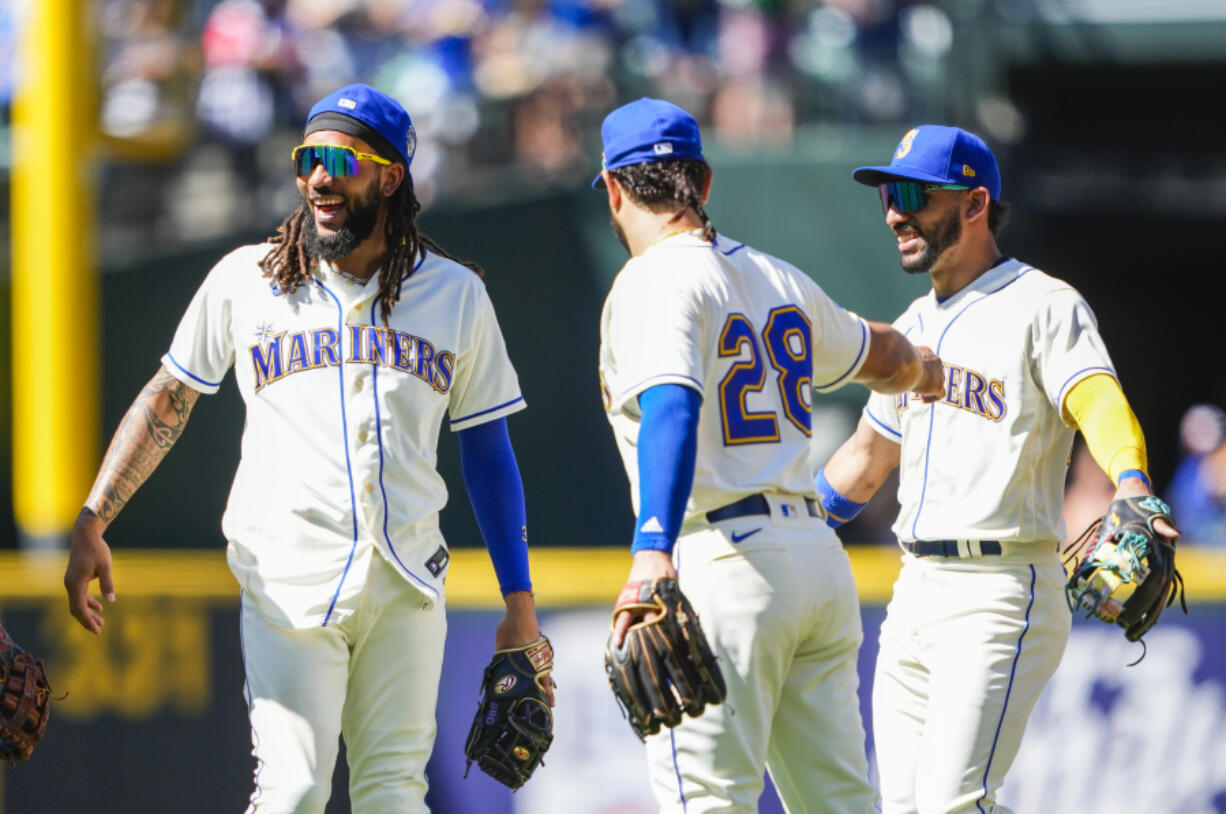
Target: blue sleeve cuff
x: 496, y: 493
x: 1135, y: 473
x: 839, y: 509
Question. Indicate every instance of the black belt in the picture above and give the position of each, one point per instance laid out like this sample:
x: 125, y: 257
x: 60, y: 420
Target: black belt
x: 754, y: 504
x: 947, y: 548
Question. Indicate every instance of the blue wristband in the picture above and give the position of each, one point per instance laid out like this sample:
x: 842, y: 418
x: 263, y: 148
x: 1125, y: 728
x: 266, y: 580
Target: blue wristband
x: 1135, y: 473
x: 839, y: 509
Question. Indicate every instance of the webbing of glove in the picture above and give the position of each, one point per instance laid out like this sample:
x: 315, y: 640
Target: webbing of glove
x: 664, y: 667
x: 1127, y: 575
x: 513, y: 727
x: 25, y: 701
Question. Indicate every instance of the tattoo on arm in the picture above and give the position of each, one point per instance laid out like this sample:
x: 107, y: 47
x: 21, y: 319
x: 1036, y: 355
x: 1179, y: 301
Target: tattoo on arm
x: 150, y: 428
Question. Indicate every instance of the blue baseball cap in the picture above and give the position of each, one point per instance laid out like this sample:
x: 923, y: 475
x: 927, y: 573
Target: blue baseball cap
x: 934, y: 154
x: 647, y: 130
x: 374, y: 117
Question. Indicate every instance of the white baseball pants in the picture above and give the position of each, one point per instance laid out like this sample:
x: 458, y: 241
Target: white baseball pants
x: 780, y: 611
x: 373, y: 677
x: 966, y: 648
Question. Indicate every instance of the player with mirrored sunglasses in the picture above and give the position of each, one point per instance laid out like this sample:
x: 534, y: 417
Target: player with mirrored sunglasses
x: 978, y: 620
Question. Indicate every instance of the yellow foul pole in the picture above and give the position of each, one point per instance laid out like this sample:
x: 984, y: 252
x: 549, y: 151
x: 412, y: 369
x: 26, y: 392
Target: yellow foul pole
x: 55, y: 288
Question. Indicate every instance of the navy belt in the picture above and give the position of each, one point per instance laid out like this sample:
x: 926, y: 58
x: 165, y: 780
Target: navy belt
x: 948, y: 548
x: 754, y: 504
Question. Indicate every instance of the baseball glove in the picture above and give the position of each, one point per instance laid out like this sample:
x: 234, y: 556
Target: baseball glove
x: 25, y: 700
x: 664, y: 667
x: 1123, y: 571
x: 514, y: 724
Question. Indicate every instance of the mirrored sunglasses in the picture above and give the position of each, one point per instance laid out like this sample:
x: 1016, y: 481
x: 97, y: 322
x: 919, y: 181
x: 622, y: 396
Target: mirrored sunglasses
x: 337, y: 161
x: 909, y: 196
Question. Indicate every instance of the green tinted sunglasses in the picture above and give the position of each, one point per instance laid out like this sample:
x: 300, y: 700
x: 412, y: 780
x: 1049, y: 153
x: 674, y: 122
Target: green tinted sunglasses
x: 909, y: 196
x: 337, y: 161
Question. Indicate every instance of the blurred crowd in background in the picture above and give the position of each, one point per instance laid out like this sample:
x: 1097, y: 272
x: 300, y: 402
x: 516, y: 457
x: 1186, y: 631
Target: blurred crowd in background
x: 201, y: 101
x: 205, y: 96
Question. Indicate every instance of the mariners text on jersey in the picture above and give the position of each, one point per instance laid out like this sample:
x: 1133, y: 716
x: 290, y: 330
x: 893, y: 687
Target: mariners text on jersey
x: 279, y: 355
x: 968, y: 389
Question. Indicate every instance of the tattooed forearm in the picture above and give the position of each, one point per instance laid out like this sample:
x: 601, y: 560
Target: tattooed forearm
x: 150, y: 428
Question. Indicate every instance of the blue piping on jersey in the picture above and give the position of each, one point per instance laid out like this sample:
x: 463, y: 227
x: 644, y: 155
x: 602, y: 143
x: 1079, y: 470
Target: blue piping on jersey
x: 483, y: 412
x: 859, y: 355
x: 374, y: 390
x: 1076, y: 379
x: 189, y: 374
x: 664, y: 378
x: 881, y: 423
x: 729, y: 253
x: 932, y: 412
x: 1008, y: 690
x: 672, y: 739
x: 920, y: 319
x: 255, y: 735
x: 353, y: 501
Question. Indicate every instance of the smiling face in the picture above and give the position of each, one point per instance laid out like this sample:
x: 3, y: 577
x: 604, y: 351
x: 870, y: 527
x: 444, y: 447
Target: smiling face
x: 928, y: 237
x: 344, y: 211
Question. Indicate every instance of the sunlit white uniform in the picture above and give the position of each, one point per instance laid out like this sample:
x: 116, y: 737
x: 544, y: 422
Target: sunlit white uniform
x: 774, y: 592
x: 969, y: 641
x: 332, y: 521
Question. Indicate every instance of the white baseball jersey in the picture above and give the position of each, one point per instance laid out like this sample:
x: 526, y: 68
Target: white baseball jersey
x: 774, y: 590
x: 749, y: 332
x: 343, y: 415
x: 988, y: 460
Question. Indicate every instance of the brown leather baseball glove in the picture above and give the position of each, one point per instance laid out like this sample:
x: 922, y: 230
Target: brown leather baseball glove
x: 25, y: 700
x: 664, y: 668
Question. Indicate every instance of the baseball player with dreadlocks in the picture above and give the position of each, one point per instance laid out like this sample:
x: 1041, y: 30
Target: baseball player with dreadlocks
x: 978, y: 620
x: 351, y: 334
x: 710, y: 352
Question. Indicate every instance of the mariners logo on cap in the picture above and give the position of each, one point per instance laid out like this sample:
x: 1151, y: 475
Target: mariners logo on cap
x: 904, y: 146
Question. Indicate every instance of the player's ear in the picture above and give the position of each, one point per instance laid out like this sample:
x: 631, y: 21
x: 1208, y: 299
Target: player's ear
x: 706, y: 187
x: 614, y: 189
x: 976, y: 204
x: 393, y: 176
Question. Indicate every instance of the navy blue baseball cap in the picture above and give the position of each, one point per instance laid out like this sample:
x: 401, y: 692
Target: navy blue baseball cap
x: 647, y: 130
x: 934, y: 154
x: 374, y: 117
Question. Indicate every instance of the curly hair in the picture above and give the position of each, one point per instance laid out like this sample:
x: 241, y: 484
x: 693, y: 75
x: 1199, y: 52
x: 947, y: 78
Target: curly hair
x: 664, y: 186
x: 289, y: 261
x: 998, y: 216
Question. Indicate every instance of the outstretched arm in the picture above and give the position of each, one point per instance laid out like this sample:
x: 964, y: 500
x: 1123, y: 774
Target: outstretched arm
x: 150, y: 428
x: 894, y: 365
x: 855, y: 472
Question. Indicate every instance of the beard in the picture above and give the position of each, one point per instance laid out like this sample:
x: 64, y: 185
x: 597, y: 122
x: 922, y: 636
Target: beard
x: 618, y: 232
x: 363, y: 216
x: 941, y: 236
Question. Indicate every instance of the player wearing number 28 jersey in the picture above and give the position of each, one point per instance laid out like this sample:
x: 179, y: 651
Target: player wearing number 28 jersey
x: 710, y: 352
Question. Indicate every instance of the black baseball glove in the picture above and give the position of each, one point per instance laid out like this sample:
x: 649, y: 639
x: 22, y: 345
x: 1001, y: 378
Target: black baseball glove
x: 514, y: 724
x: 25, y: 700
x: 664, y: 667
x: 1123, y: 571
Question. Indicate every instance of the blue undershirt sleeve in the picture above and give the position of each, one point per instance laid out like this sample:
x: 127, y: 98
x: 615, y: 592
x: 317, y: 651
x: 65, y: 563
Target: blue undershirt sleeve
x: 496, y: 493
x: 667, y: 447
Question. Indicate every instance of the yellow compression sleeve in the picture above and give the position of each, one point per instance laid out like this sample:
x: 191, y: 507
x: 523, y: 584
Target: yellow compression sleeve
x: 1096, y: 405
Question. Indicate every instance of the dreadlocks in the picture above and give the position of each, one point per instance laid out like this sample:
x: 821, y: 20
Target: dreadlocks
x: 665, y: 185
x: 289, y: 261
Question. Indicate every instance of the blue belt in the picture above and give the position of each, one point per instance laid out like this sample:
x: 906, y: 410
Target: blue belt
x: 754, y: 504
x: 948, y: 548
